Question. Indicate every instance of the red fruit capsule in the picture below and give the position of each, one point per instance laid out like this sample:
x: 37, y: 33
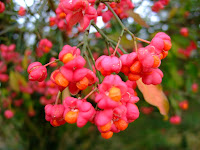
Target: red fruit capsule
x: 8, y: 114
x: 176, y: 120
x: 184, y: 105
x: 2, y: 7
x: 37, y: 72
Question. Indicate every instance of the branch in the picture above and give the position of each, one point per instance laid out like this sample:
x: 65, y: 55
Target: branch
x: 107, y: 38
x: 52, y: 5
x: 123, y: 26
x: 85, y: 39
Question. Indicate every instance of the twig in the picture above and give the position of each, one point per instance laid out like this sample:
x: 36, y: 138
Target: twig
x: 122, y: 25
x: 93, y: 61
x: 122, y: 32
x: 90, y: 93
x: 52, y: 5
x: 85, y: 39
x: 88, y: 60
x: 57, y: 98
x: 107, y: 38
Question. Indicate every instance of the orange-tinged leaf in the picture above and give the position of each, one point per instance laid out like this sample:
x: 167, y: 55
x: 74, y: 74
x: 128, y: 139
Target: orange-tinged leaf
x: 15, y: 79
x: 154, y: 95
x: 21, y: 79
x: 137, y: 18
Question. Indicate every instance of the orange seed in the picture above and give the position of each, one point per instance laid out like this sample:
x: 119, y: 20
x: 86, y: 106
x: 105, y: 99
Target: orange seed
x: 61, y: 81
x: 115, y: 94
x: 67, y: 57
x: 107, y: 135
x: 83, y: 84
x: 71, y: 117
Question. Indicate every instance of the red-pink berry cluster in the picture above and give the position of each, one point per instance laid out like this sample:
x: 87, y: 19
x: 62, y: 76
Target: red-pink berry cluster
x: 119, y: 8
x: 141, y: 64
x: 115, y: 99
x: 8, y: 53
x: 69, y: 13
x: 73, y: 74
x: 8, y: 56
x: 159, y: 5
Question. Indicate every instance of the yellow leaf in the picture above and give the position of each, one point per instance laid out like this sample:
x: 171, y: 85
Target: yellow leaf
x: 25, y: 62
x: 173, y: 12
x: 20, y: 79
x: 13, y: 81
x: 154, y: 95
x: 137, y: 18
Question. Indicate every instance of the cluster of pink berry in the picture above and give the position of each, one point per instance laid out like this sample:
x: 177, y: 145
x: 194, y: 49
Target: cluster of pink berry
x: 8, y: 55
x: 157, y: 6
x: 141, y: 64
x: 69, y: 13
x: 9, y: 58
x: 189, y: 49
x: 120, y: 9
x: 115, y: 99
x: 47, y: 89
x: 72, y: 74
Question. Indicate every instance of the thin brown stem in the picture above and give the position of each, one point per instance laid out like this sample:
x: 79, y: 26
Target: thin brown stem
x: 52, y: 5
x: 90, y: 93
x: 120, y: 37
x: 135, y: 44
x: 148, y: 42
x: 56, y: 60
x: 122, y: 25
x: 57, y: 98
